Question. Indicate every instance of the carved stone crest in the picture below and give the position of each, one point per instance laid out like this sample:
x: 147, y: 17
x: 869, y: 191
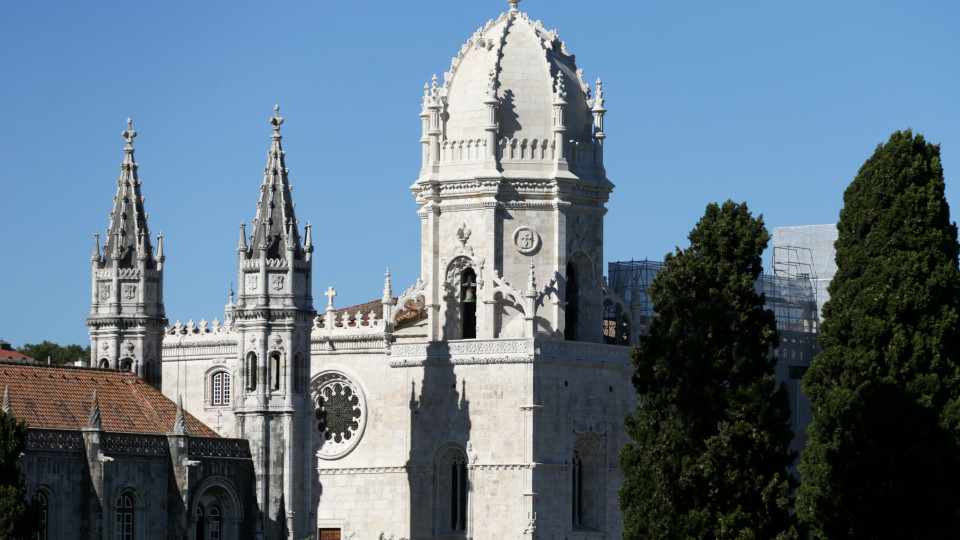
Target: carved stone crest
x: 104, y: 291
x: 129, y: 291
x: 526, y: 240
x: 251, y: 282
x: 276, y: 282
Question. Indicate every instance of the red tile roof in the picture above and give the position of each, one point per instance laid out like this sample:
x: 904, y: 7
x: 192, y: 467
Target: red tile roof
x: 411, y: 311
x: 12, y: 355
x: 59, y: 397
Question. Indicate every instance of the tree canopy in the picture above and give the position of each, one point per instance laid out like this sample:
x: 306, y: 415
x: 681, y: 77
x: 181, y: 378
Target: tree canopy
x: 711, y: 440
x: 57, y: 353
x: 19, y: 520
x: 882, y: 459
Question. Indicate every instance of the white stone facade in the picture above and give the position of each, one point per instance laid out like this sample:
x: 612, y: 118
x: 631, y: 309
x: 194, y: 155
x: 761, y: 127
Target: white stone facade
x: 480, y: 403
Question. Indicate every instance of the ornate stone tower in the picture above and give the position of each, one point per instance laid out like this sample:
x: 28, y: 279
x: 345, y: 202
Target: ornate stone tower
x: 273, y: 317
x: 512, y: 189
x: 126, y: 313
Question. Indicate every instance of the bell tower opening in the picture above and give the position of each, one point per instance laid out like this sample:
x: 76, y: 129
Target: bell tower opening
x: 468, y: 304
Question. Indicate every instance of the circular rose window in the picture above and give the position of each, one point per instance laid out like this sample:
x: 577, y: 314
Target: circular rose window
x: 340, y: 415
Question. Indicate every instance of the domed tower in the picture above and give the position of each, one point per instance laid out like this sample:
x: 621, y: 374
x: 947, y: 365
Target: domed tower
x: 126, y: 312
x: 512, y: 189
x: 273, y: 316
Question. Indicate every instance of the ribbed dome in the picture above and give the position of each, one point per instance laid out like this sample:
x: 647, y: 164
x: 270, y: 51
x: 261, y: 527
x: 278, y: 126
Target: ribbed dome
x: 524, y: 59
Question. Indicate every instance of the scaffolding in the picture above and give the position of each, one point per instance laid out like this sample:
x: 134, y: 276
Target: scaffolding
x: 631, y: 280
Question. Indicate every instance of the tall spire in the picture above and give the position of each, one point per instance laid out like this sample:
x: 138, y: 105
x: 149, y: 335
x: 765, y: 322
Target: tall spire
x: 93, y: 419
x: 276, y: 224
x: 179, y: 423
x: 128, y: 221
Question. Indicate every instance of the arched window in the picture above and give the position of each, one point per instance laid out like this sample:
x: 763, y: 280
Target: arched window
x: 572, y: 311
x: 275, y: 370
x: 41, y: 500
x: 299, y: 373
x: 214, y: 524
x: 252, y: 371
x: 458, y: 494
x: 126, y: 364
x: 577, y: 491
x: 104, y: 363
x: 123, y: 524
x: 201, y: 522
x: 468, y: 304
x: 220, y: 386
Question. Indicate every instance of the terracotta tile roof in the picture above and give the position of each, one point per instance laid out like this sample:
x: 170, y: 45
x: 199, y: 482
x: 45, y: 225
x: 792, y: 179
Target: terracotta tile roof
x: 59, y: 397
x: 12, y: 355
x: 406, y: 313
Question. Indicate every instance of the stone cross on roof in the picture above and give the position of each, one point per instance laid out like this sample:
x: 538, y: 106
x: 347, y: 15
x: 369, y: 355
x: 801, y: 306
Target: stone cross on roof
x: 331, y: 292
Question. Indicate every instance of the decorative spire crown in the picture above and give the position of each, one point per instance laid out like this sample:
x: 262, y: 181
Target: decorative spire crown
x: 179, y: 423
x: 129, y: 134
x: 93, y: 420
x: 513, y: 5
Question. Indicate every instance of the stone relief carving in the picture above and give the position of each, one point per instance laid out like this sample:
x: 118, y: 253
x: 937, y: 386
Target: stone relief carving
x: 526, y: 240
x: 276, y: 282
x: 104, y: 291
x: 252, y: 282
x: 129, y: 291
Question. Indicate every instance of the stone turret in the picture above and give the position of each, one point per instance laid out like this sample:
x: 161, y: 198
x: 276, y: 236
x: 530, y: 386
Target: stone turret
x: 512, y: 174
x: 273, y: 316
x: 126, y: 313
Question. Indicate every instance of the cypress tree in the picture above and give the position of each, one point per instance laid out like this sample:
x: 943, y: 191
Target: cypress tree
x: 711, y: 441
x: 19, y: 520
x: 882, y: 459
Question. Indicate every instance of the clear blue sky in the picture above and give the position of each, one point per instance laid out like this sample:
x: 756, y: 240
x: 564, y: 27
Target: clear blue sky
x: 774, y: 103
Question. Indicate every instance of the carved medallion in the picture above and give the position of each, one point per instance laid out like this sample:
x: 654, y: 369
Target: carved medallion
x: 526, y: 240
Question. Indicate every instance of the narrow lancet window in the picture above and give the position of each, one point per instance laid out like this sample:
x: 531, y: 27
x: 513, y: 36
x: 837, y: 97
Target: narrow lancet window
x: 468, y: 304
x: 572, y: 310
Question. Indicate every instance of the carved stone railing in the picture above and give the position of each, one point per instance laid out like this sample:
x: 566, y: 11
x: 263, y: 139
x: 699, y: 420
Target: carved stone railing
x: 54, y: 439
x: 465, y: 150
x: 134, y: 443
x: 509, y: 351
x: 218, y: 447
x: 513, y: 149
x: 584, y: 154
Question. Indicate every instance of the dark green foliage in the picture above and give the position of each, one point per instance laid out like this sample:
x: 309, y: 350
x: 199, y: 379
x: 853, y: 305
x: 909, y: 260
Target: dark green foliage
x: 711, y: 447
x: 18, y: 519
x: 882, y: 459
x: 57, y: 354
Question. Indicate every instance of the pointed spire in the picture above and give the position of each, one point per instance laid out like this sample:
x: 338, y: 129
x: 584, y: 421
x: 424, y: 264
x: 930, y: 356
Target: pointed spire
x: 387, y: 289
x: 308, y: 241
x: 275, y: 225
x: 128, y: 221
x: 160, y: 256
x: 6, y: 400
x: 93, y: 420
x: 179, y: 423
x: 242, y: 244
x: 96, y: 247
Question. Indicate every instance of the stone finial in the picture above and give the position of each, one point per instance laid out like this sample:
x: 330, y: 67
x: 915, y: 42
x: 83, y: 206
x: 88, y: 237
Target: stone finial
x: 463, y: 233
x: 96, y: 247
x: 598, y: 101
x: 159, y: 255
x: 6, y: 400
x: 532, y: 281
x: 492, y: 84
x: 179, y: 423
x: 560, y: 90
x: 308, y: 237
x: 242, y: 244
x: 277, y: 120
x: 129, y: 134
x: 513, y: 5
x: 434, y: 88
x: 387, y: 288
x: 93, y: 419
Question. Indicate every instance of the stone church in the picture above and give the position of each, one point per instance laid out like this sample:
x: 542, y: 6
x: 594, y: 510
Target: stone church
x: 486, y: 400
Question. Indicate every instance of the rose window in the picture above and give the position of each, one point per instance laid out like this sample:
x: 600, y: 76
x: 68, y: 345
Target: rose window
x: 340, y: 415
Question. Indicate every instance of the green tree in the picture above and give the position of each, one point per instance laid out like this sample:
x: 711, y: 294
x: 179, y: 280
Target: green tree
x: 57, y: 354
x: 18, y: 518
x: 711, y: 441
x: 882, y: 459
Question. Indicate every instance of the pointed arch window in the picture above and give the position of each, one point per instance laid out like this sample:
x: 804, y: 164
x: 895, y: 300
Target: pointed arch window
x: 577, y: 478
x: 453, y: 491
x: 571, y: 312
x: 458, y: 494
x: 468, y: 304
x: 275, y: 370
x: 41, y: 501
x: 126, y: 364
x: 251, y: 371
x: 123, y: 523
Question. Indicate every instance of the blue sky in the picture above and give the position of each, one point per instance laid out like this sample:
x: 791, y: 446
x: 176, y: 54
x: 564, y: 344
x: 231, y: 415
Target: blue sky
x: 773, y: 103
